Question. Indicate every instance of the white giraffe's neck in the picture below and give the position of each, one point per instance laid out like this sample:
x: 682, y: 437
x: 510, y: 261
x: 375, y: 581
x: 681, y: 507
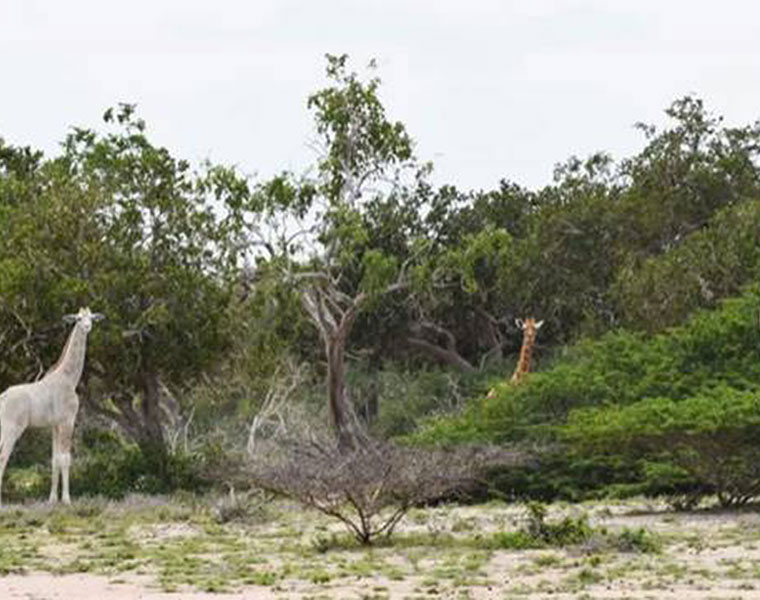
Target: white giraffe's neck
x: 71, y: 362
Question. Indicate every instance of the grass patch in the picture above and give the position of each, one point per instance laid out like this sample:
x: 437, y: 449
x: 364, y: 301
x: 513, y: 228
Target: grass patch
x: 182, y: 545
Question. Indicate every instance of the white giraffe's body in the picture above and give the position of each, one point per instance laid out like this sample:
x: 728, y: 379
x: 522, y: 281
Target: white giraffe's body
x: 50, y: 402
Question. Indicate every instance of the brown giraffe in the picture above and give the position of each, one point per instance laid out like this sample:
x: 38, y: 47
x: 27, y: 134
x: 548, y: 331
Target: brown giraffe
x: 529, y: 327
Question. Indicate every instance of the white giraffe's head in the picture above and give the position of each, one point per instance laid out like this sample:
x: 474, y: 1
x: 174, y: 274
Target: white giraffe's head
x: 84, y: 318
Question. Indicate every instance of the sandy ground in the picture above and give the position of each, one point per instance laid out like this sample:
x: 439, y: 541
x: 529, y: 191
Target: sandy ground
x: 84, y: 586
x: 42, y: 586
x: 706, y: 555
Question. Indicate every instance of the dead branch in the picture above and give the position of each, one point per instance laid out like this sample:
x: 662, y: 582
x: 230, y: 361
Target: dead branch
x: 271, y: 413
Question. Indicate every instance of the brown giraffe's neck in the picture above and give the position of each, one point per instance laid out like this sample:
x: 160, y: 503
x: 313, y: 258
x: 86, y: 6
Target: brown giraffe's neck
x: 526, y: 352
x: 530, y: 327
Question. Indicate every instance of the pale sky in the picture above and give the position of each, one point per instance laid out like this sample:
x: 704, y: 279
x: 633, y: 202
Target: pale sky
x: 488, y: 89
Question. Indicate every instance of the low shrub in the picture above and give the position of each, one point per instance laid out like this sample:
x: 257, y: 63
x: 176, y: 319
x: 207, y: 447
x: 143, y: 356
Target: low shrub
x: 710, y: 439
x: 112, y: 467
x: 566, y: 532
x: 539, y: 532
x: 25, y: 483
x: 558, y: 473
x: 104, y: 464
x: 639, y: 540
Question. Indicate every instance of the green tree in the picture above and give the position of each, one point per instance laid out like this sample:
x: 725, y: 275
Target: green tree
x: 709, y: 265
x: 685, y: 174
x: 339, y: 267
x: 121, y: 225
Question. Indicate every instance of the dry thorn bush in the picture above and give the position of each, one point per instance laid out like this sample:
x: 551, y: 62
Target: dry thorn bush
x: 371, y: 487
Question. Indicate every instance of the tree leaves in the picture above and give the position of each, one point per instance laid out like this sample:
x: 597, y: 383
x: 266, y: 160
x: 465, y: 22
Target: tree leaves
x: 125, y: 227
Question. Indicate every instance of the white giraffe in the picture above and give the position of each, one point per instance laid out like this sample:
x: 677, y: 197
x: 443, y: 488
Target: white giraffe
x: 50, y: 402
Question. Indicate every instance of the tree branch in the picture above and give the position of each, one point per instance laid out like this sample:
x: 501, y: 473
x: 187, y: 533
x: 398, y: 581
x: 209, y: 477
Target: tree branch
x: 447, y: 356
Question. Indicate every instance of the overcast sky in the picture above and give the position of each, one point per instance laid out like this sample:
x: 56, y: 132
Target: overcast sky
x: 488, y: 89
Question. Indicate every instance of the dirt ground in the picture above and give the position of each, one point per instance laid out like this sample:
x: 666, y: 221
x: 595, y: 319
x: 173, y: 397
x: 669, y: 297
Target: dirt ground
x: 703, y: 554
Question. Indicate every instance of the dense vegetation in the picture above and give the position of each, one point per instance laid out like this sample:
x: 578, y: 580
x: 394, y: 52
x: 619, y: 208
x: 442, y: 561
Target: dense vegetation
x: 234, y: 305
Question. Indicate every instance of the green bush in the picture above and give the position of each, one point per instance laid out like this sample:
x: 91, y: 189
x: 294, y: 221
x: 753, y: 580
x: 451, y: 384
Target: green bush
x: 111, y: 467
x: 711, y: 438
x: 561, y: 474
x: 658, y: 479
x: 638, y: 540
x: 712, y: 350
x: 24, y: 483
x: 568, y: 531
x: 33, y: 448
x: 105, y: 464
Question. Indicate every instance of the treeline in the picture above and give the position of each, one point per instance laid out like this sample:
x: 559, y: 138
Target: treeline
x: 359, y: 286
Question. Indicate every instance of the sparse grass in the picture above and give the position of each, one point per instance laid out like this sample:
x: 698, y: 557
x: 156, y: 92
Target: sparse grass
x: 547, y: 560
x: 184, y: 543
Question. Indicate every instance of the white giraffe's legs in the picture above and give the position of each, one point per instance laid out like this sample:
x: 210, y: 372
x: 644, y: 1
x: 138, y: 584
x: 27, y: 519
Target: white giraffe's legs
x: 8, y: 437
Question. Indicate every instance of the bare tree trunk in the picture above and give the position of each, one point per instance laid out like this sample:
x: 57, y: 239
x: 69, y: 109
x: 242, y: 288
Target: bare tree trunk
x: 334, y: 325
x: 342, y: 417
x: 152, y: 441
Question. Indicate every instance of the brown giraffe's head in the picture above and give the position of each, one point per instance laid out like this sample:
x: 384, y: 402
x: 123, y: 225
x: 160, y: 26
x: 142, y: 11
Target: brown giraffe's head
x: 529, y: 326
